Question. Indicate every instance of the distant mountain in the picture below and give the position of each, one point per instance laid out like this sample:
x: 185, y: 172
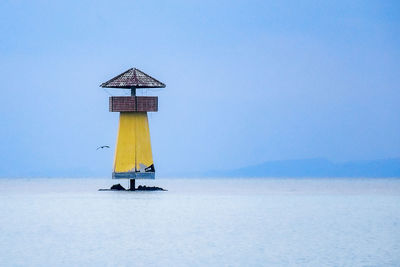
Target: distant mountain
x: 315, y: 168
x: 281, y: 168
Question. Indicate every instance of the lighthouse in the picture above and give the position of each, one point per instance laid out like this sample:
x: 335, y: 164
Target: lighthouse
x: 133, y: 157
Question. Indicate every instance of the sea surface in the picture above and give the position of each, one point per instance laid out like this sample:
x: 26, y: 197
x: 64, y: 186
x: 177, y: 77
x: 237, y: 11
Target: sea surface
x: 201, y: 222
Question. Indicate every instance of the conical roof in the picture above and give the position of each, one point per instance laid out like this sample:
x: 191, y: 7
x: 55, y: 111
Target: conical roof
x: 133, y: 78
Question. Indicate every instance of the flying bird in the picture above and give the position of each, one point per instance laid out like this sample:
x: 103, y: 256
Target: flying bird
x: 102, y: 147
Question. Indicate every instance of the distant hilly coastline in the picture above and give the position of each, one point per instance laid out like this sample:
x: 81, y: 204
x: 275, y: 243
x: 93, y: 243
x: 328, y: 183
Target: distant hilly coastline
x: 314, y: 168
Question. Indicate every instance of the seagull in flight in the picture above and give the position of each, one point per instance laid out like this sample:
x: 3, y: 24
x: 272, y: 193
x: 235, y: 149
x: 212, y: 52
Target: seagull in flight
x: 102, y: 147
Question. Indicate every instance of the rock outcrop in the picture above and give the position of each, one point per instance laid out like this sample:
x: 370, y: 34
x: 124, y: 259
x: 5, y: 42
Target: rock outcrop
x: 117, y: 187
x: 149, y: 188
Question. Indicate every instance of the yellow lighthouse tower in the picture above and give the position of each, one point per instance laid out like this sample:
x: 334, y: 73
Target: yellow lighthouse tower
x: 133, y: 156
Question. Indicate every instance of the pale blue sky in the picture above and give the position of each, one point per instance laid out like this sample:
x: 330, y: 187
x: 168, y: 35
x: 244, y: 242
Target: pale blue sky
x: 247, y: 82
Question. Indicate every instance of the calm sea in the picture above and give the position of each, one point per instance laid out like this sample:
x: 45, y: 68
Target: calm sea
x: 201, y: 222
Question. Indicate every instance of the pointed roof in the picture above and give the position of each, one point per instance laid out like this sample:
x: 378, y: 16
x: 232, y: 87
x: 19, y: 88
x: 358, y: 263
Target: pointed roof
x: 133, y: 78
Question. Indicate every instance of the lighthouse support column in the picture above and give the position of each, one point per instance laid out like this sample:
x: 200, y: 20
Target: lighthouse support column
x: 132, y: 185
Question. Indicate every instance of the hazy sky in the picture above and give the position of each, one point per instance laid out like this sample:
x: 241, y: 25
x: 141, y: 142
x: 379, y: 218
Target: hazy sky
x: 247, y: 82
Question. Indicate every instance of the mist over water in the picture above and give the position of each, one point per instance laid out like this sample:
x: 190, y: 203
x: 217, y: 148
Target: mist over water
x: 215, y: 222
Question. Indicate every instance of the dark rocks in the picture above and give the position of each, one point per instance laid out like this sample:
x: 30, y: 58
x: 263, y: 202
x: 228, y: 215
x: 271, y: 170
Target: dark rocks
x: 117, y: 187
x: 149, y: 188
